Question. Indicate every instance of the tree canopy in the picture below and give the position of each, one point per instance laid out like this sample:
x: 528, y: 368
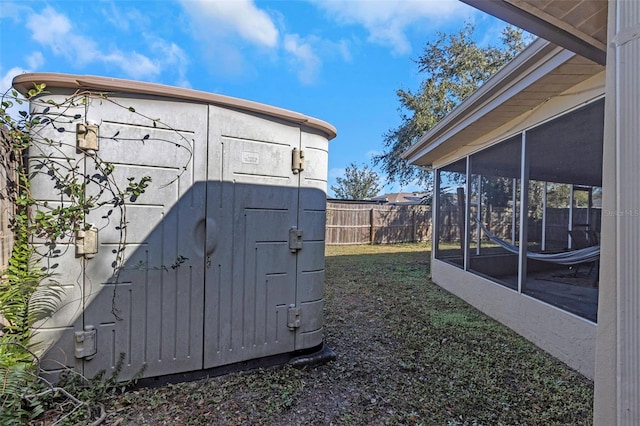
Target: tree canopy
x: 455, y: 66
x: 357, y: 183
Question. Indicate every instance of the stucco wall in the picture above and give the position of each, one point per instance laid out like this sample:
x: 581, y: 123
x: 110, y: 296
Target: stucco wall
x: 569, y: 338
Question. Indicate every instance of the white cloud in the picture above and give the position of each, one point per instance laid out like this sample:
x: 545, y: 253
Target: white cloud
x: 121, y: 19
x: 56, y: 32
x: 307, y: 54
x: 5, y: 87
x: 173, y: 57
x: 136, y: 65
x: 342, y: 47
x: 7, y: 78
x: 304, y: 58
x: 387, y: 20
x: 228, y: 28
x: 13, y: 10
x: 240, y: 17
x: 35, y: 60
x: 53, y: 30
x: 226, y: 31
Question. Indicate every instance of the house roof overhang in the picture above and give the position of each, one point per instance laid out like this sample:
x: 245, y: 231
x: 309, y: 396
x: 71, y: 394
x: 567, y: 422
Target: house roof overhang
x: 540, y: 72
x: 577, y: 25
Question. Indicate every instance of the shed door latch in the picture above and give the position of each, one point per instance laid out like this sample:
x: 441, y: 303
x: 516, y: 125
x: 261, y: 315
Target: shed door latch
x: 87, y: 136
x: 297, y: 161
x: 87, y: 243
x: 295, y: 239
x: 293, y: 317
x: 85, y: 344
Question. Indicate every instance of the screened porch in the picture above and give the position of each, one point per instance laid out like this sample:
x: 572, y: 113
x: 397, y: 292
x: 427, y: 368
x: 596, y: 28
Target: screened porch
x: 483, y: 222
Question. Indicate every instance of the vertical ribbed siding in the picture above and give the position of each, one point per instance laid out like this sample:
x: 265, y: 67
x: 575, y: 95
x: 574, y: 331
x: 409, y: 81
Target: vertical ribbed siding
x: 628, y: 131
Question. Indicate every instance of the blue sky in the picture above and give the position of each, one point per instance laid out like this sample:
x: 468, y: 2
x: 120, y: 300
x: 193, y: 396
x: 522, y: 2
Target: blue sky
x: 337, y: 60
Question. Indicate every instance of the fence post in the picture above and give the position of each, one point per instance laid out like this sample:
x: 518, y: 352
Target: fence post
x: 372, y: 231
x: 414, y: 237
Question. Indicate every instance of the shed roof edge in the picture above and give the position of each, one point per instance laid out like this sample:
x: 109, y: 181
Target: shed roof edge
x: 23, y: 82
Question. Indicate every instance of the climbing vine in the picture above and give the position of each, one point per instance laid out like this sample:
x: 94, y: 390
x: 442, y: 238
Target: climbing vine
x: 38, y: 141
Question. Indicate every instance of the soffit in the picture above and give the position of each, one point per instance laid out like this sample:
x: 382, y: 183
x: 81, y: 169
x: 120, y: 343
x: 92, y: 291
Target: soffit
x: 577, y: 25
x: 586, y: 19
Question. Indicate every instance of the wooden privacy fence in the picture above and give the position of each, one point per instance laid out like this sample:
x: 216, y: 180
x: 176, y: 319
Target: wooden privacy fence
x: 499, y: 221
x: 365, y: 223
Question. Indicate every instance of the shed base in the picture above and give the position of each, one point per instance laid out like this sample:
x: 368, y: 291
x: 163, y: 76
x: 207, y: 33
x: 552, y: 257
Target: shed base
x: 314, y: 356
x: 322, y: 355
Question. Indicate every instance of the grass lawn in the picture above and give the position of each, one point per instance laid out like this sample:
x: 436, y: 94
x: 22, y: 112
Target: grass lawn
x: 407, y: 353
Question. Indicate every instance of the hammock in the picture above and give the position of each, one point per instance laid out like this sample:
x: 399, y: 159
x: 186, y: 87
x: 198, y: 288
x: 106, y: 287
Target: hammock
x: 574, y: 257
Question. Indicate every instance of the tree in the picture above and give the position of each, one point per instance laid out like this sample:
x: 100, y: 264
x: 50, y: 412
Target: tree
x: 455, y: 67
x: 357, y: 184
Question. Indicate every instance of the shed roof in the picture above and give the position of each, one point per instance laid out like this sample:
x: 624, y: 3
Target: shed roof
x: 24, y: 82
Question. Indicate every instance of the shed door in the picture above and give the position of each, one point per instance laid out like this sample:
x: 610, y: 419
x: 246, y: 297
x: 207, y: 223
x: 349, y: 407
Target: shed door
x: 252, y: 203
x: 229, y: 215
x: 152, y: 311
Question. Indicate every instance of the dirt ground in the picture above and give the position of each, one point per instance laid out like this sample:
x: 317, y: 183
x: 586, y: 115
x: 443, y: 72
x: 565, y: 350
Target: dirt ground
x: 406, y: 353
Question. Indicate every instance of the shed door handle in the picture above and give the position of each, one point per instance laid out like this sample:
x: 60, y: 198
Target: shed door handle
x: 211, y: 240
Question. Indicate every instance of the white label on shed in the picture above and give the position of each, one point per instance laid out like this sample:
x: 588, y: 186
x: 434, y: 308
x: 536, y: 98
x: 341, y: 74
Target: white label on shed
x: 250, y: 157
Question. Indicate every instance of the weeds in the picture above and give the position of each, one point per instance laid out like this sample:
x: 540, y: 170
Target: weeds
x: 78, y: 400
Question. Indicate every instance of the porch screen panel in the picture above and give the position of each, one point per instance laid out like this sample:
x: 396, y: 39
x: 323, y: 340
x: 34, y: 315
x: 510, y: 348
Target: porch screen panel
x: 451, y: 184
x: 565, y: 155
x: 556, y: 216
x: 494, y: 211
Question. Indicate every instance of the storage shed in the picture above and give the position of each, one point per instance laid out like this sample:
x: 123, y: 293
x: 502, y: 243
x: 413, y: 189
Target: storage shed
x: 218, y: 261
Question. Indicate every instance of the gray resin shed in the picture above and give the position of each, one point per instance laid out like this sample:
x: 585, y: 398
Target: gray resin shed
x: 224, y: 254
